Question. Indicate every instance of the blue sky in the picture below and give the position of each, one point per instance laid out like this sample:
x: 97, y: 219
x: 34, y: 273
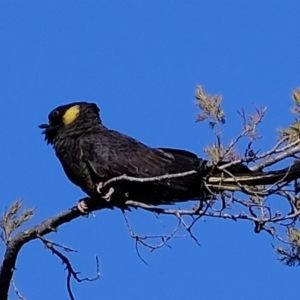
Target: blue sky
x: 141, y: 62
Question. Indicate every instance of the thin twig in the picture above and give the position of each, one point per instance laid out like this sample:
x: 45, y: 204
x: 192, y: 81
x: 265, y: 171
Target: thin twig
x: 71, y: 272
x: 124, y: 177
x: 17, y: 291
x: 67, y: 249
x: 164, y: 239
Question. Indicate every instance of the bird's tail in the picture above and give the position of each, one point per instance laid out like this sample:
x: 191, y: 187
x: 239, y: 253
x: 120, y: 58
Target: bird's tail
x: 239, y: 177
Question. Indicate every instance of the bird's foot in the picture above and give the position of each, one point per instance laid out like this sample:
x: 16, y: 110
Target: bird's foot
x: 107, y: 196
x: 99, y: 187
x: 83, y: 207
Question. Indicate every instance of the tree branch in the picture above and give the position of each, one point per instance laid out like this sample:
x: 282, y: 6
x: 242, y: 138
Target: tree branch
x: 260, y: 219
x: 16, y: 243
x: 71, y: 272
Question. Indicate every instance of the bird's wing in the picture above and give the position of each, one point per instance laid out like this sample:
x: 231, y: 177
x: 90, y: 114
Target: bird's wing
x: 111, y: 154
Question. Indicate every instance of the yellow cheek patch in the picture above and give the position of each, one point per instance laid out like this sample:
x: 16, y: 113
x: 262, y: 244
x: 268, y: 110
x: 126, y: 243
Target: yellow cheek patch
x: 71, y: 114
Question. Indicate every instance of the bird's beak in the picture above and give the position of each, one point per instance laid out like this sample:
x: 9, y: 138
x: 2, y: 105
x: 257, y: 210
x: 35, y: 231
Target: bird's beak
x: 45, y: 127
x: 49, y: 131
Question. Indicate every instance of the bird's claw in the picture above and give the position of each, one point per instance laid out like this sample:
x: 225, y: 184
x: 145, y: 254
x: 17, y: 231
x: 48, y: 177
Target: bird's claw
x: 107, y: 196
x: 99, y: 187
x: 83, y: 207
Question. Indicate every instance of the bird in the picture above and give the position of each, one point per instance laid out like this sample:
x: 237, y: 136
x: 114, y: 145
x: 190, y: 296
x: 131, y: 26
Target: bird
x: 92, y: 154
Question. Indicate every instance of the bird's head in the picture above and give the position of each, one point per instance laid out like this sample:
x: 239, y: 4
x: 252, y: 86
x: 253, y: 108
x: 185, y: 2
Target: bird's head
x: 70, y: 119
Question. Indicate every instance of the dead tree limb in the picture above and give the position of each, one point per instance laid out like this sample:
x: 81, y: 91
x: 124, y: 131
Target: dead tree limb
x: 16, y: 243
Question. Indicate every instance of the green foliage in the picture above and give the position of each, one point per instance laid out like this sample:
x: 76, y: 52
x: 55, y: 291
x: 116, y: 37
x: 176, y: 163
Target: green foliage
x: 291, y: 255
x: 210, y: 107
x: 292, y: 133
x: 13, y: 218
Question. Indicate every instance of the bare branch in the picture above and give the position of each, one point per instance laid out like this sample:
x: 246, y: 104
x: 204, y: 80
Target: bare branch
x: 124, y: 177
x: 49, y: 242
x: 16, y: 243
x: 20, y: 297
x: 71, y: 273
x: 143, y: 240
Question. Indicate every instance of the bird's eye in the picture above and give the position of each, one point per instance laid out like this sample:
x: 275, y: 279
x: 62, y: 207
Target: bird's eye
x: 55, y: 114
